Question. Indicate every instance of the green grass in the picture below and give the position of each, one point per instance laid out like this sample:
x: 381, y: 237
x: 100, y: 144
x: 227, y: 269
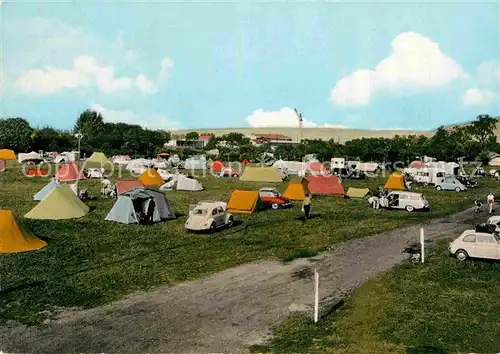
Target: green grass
x: 441, y: 306
x: 90, y: 262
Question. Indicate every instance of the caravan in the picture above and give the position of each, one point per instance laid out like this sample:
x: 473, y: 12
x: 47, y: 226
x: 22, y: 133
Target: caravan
x: 429, y: 175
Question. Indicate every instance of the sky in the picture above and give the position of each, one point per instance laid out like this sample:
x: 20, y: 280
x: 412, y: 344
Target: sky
x: 208, y: 64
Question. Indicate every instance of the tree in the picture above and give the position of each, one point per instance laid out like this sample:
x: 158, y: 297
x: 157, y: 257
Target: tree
x: 483, y: 131
x: 16, y: 134
x: 192, y: 136
x: 91, y: 124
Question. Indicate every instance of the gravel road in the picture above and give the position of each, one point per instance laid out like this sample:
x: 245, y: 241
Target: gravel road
x: 228, y: 311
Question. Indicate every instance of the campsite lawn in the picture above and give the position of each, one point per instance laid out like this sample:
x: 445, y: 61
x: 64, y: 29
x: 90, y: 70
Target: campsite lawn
x: 441, y: 306
x: 90, y: 262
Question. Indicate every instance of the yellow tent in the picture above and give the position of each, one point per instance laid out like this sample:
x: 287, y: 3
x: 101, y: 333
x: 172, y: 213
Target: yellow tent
x: 358, y: 192
x: 243, y: 202
x: 14, y: 238
x: 396, y: 181
x: 61, y: 203
x: 297, y: 189
x: 6, y: 154
x: 151, y: 177
x: 97, y: 159
x: 260, y: 174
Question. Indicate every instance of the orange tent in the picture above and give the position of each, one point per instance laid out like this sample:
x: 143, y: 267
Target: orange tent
x: 70, y: 172
x: 244, y: 202
x: 217, y: 166
x: 396, y: 181
x: 36, y: 172
x: 297, y: 189
x: 14, y: 238
x: 123, y: 186
x: 325, y: 185
x: 6, y: 155
x: 151, y: 177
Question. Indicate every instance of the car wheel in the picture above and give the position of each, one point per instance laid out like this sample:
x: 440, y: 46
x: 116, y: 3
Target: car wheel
x: 409, y: 208
x: 461, y: 255
x: 438, y: 188
x: 213, y: 227
x: 274, y: 206
x: 457, y: 189
x: 230, y: 222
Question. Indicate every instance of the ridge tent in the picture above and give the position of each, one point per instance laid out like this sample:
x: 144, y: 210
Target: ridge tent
x: 217, y: 166
x: 358, y: 192
x: 70, y: 172
x: 6, y: 155
x: 36, y: 172
x: 31, y: 156
x: 46, y: 190
x: 325, y: 185
x: 315, y: 168
x: 396, y: 181
x: 59, y: 204
x: 297, y: 189
x: 14, y: 237
x: 185, y: 183
x: 123, y: 185
x: 151, y: 177
x: 260, y: 174
x: 244, y: 202
x: 136, y: 201
x: 96, y: 160
x: 2, y: 165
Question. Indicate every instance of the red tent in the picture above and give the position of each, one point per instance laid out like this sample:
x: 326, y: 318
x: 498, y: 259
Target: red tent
x: 70, y: 172
x: 2, y: 165
x: 317, y: 168
x: 417, y: 164
x: 36, y: 172
x: 245, y: 162
x: 123, y: 186
x: 217, y: 166
x: 325, y: 185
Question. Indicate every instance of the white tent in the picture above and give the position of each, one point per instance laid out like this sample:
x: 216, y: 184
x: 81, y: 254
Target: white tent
x: 165, y: 174
x: 182, y: 183
x: 291, y: 167
x: 139, y: 165
x: 29, y: 156
x: 367, y: 166
x: 121, y: 160
x: 195, y: 163
x: 65, y: 157
x: 159, y: 164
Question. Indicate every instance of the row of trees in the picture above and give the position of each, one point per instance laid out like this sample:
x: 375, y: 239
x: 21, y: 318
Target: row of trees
x: 110, y: 138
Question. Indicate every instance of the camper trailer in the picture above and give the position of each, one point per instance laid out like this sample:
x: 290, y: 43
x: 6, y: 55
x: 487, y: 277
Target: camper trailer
x: 429, y: 175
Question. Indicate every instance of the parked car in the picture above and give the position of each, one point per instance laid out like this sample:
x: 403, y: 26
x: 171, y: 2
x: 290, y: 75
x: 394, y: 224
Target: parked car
x: 409, y: 201
x: 229, y: 172
x: 467, y: 182
x: 208, y: 215
x: 272, y: 198
x: 475, y: 244
x: 450, y: 183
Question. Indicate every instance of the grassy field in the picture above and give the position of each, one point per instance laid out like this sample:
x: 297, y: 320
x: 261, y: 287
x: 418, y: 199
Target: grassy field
x: 441, y: 306
x: 90, y: 262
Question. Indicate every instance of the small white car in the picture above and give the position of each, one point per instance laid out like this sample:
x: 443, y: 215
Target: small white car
x: 208, y: 215
x: 476, y: 245
x: 409, y: 201
x: 450, y: 183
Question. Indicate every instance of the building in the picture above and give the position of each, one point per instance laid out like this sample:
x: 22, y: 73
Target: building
x: 179, y: 141
x: 272, y: 139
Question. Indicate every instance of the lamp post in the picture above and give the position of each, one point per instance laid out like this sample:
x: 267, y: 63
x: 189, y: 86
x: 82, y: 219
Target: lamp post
x: 79, y: 136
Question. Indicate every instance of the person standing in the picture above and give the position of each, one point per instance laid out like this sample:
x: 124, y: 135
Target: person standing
x: 478, y: 204
x: 491, y: 200
x: 306, y: 206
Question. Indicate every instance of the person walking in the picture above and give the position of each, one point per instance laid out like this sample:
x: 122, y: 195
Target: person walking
x: 306, y: 206
x: 491, y: 200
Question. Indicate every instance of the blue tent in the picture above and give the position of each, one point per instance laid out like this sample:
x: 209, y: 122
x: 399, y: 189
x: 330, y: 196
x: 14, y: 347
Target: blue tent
x: 46, y: 190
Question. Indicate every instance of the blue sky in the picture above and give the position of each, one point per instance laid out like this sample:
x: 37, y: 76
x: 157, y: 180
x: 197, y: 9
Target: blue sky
x: 174, y: 65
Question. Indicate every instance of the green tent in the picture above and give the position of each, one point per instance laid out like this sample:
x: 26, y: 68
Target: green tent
x: 96, y: 160
x: 260, y: 174
x: 358, y: 192
x: 61, y: 203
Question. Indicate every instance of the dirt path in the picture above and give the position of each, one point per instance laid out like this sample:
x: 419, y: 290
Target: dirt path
x: 227, y: 311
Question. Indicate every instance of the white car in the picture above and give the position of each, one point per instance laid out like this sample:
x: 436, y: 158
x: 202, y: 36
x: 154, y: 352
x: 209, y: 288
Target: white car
x: 409, y: 201
x: 208, y: 215
x: 476, y: 245
x: 494, y: 220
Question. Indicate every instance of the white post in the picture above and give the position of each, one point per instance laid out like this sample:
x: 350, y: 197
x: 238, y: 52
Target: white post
x: 422, y: 248
x: 316, y: 295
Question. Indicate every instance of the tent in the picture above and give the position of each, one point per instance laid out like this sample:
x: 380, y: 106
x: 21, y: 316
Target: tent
x: 244, y: 202
x: 185, y: 183
x: 297, y: 189
x: 260, y: 174
x: 396, y: 181
x: 59, y: 204
x: 2, y: 165
x: 358, y: 192
x: 7, y: 155
x: 46, y: 190
x: 417, y: 164
x: 95, y: 173
x: 195, y: 163
x: 36, y: 172
x: 245, y: 162
x: 70, y: 172
x: 139, y: 165
x: 97, y: 159
x: 32, y: 156
x: 151, y: 177
x: 292, y: 167
x: 129, y: 204
x: 217, y: 166
x: 123, y: 185
x: 325, y: 185
x: 121, y: 159
x: 14, y: 238
x: 315, y: 168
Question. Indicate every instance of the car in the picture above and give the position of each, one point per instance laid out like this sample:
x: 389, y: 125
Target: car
x: 272, y: 198
x: 208, y: 215
x: 348, y: 173
x: 408, y: 201
x: 228, y: 172
x: 473, y: 244
x: 450, y: 183
x: 467, y: 182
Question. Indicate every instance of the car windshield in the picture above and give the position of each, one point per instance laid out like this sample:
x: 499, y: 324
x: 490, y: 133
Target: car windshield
x: 199, y: 211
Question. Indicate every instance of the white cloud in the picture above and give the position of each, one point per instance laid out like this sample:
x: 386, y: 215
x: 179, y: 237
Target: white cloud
x: 476, y: 96
x: 87, y: 72
x: 285, y: 117
x: 150, y: 121
x: 415, y: 62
